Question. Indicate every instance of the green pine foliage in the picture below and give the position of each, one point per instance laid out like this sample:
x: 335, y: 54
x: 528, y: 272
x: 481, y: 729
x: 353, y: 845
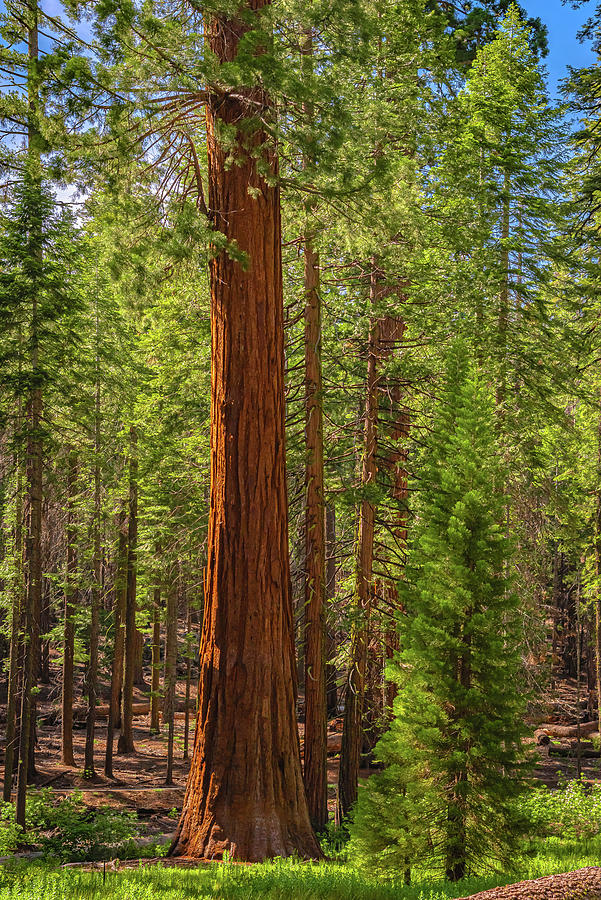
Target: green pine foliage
x: 453, y: 755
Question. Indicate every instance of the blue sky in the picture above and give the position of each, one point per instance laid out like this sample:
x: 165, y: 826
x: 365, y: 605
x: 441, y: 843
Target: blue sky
x: 563, y: 23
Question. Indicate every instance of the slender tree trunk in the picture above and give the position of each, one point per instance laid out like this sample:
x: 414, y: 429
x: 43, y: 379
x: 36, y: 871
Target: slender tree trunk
x: 331, y: 680
x: 34, y: 466
x: 16, y: 646
x: 156, y: 663
x: 245, y: 792
x: 170, y: 671
x: 71, y: 595
x: 45, y: 626
x: 33, y: 589
x: 120, y: 602
x: 598, y: 573
x: 352, y: 734
x: 92, y: 673
x: 188, y: 676
x: 126, y: 738
x: 315, y: 768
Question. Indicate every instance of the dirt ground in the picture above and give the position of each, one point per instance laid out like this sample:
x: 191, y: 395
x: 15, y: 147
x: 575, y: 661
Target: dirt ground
x: 139, y: 781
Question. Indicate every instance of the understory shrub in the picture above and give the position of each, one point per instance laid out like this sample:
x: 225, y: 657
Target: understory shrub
x: 573, y: 810
x: 67, y: 830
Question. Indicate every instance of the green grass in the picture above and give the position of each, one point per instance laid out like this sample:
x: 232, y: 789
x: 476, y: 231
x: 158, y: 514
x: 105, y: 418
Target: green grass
x: 280, y: 880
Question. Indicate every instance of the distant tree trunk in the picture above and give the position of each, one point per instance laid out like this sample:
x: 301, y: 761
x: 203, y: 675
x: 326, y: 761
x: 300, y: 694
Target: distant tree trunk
x: 170, y: 671
x: 126, y: 738
x: 245, y: 792
x: 156, y: 663
x: 33, y: 579
x: 139, y: 681
x: 315, y: 768
x: 120, y: 602
x: 598, y: 573
x: 16, y: 646
x: 92, y: 673
x: 45, y: 626
x: 331, y: 685
x: 188, y: 676
x: 352, y: 734
x: 34, y: 466
x: 71, y: 595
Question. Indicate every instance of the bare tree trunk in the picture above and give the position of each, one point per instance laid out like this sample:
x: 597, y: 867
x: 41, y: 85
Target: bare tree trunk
x: 188, y: 676
x: 156, y: 663
x: 245, y: 792
x: 171, y: 670
x: 120, y: 601
x: 34, y: 489
x: 598, y: 573
x: 352, y: 734
x: 315, y: 768
x: 15, y: 637
x: 33, y: 590
x: 126, y: 738
x: 331, y: 681
x: 71, y: 594
x: 92, y: 673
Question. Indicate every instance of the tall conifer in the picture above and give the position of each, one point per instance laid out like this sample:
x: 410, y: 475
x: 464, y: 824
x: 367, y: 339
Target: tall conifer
x: 453, y: 753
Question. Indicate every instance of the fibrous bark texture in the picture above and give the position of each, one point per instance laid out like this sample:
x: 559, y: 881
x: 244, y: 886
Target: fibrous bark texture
x: 585, y: 884
x: 315, y: 759
x: 245, y: 793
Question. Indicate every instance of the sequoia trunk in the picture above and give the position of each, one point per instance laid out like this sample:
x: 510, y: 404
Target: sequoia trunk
x: 245, y: 793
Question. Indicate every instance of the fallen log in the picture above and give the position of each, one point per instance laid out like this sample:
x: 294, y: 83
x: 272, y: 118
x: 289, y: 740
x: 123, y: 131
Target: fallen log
x: 568, y: 731
x: 585, y: 884
x: 572, y: 752
x: 139, y: 709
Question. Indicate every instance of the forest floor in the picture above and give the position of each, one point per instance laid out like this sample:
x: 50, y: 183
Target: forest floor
x: 139, y: 785
x: 139, y: 779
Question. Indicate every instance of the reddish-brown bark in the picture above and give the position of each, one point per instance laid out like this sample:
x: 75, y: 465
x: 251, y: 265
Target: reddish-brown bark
x: 245, y: 793
x: 315, y: 757
x: 331, y: 683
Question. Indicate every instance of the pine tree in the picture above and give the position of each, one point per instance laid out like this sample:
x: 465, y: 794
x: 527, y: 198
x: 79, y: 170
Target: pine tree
x: 453, y: 754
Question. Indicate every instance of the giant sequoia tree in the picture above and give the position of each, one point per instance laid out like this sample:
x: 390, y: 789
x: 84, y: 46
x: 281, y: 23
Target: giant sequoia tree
x: 245, y: 793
